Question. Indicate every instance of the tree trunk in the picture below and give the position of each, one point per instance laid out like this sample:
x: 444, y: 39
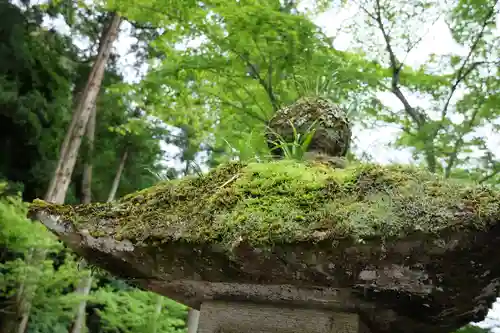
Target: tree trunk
x: 193, y: 319
x: 70, y: 147
x: 87, y: 167
x: 84, y: 289
x: 118, y: 175
x: 61, y: 178
x: 86, y: 282
x: 158, y: 308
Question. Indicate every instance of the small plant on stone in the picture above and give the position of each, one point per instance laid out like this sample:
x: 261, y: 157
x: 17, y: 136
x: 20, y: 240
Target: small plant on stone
x: 297, y: 148
x: 324, y: 87
x: 321, y: 87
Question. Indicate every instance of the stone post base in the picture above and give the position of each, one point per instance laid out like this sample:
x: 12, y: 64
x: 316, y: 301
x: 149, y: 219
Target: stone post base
x: 243, y: 317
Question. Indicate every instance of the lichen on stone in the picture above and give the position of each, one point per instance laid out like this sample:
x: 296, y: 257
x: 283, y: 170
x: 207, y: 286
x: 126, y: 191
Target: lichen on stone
x: 288, y: 202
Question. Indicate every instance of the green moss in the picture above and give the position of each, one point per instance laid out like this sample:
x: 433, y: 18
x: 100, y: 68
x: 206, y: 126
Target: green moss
x: 287, y: 201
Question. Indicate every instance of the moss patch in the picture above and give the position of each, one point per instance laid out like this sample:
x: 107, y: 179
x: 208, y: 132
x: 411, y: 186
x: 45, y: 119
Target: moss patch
x: 287, y: 202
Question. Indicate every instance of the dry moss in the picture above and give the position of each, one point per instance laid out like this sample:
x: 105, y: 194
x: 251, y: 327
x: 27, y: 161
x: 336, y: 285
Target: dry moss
x: 286, y: 201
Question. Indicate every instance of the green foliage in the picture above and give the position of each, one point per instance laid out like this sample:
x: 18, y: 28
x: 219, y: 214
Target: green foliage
x: 36, y: 96
x: 121, y: 129
x: 36, y: 99
x: 449, y: 135
x: 16, y: 231
x: 52, y: 307
x: 256, y: 58
x: 472, y: 329
x: 213, y: 102
x: 136, y: 311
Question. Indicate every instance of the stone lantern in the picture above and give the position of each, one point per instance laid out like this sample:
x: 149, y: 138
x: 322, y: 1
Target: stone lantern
x: 288, y: 246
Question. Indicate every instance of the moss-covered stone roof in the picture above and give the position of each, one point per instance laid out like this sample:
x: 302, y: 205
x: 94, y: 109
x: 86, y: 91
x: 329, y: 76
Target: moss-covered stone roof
x: 408, y: 250
x: 287, y: 202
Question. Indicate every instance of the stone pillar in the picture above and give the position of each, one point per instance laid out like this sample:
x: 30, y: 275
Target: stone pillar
x: 246, y: 317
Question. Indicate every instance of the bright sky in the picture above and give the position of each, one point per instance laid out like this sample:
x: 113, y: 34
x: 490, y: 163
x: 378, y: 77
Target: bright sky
x: 438, y: 40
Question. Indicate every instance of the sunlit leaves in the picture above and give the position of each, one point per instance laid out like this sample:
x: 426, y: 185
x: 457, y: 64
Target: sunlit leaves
x: 469, y: 16
x: 252, y: 57
x: 457, y: 89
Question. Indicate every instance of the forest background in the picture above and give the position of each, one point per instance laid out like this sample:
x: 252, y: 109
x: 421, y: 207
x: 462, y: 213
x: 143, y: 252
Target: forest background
x: 188, y: 85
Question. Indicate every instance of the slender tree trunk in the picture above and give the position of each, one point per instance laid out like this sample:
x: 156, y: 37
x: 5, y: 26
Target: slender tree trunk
x: 24, y: 319
x: 158, y: 307
x: 193, y: 319
x: 61, y: 178
x: 86, y: 283
x: 84, y: 289
x: 62, y: 175
x: 87, y: 167
x: 118, y: 176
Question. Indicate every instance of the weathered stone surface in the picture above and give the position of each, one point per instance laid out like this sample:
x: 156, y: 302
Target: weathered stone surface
x: 406, y: 250
x: 332, y: 136
x: 244, y: 317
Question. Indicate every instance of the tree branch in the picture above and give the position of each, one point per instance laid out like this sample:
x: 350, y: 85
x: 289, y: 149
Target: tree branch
x: 274, y: 102
x: 252, y: 96
x: 261, y: 81
x: 245, y: 110
x: 459, y: 143
x: 462, y: 71
x: 417, y: 117
x: 396, y: 67
x: 419, y: 39
x: 489, y: 176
